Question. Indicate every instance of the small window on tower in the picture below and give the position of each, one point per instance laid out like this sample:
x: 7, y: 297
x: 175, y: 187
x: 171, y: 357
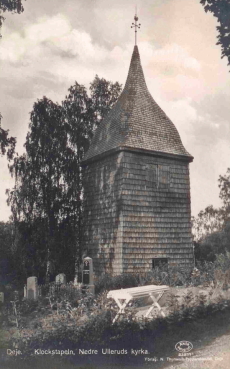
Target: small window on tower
x: 158, y: 175
x: 160, y: 262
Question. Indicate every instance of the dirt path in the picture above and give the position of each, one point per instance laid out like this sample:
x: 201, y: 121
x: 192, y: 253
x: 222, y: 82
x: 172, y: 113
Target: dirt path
x: 214, y: 356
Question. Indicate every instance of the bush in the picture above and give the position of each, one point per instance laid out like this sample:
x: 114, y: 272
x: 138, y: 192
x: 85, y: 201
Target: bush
x: 171, y: 276
x: 205, y: 273
x: 98, y: 331
x: 106, y: 282
x: 223, y: 261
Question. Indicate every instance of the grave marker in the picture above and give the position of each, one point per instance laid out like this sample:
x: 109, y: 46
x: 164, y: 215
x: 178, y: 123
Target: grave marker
x: 25, y: 291
x: 87, y: 277
x: 61, y: 278
x: 87, y: 274
x: 16, y: 295
x: 2, y: 297
x: 32, y: 288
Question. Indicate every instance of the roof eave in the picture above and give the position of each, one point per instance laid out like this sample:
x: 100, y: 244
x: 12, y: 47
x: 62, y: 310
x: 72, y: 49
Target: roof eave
x: 187, y: 158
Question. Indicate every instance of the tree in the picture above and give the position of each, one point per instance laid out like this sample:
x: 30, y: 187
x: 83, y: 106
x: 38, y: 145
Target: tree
x: 224, y: 185
x: 83, y: 114
x: 208, y: 221
x: 104, y: 95
x: 213, y: 244
x: 46, y: 201
x: 211, y: 228
x: 7, y: 144
x: 45, y: 194
x: 6, y: 252
x: 12, y: 6
x: 221, y: 10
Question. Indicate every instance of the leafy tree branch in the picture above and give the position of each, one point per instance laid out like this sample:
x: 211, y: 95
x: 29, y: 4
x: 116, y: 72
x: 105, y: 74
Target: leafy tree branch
x: 7, y: 144
x: 221, y: 10
x: 12, y: 6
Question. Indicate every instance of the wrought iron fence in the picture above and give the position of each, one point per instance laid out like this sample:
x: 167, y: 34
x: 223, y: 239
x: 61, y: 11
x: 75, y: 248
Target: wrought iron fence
x: 68, y: 290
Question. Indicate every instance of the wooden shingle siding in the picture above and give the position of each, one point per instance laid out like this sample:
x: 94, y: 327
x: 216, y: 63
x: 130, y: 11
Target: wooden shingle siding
x: 102, y: 213
x: 136, y: 186
x: 129, y: 223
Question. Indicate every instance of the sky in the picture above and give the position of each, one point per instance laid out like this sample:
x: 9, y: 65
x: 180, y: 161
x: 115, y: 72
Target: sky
x: 54, y: 43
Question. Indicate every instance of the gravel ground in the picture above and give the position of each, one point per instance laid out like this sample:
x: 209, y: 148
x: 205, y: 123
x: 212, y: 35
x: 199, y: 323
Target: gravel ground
x: 214, y: 356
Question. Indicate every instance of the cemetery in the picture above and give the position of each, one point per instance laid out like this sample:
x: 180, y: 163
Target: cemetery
x: 137, y: 290
x: 102, y: 314
x: 126, y: 286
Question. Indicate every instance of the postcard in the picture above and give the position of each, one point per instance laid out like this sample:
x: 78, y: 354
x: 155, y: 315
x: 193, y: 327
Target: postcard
x: 115, y: 184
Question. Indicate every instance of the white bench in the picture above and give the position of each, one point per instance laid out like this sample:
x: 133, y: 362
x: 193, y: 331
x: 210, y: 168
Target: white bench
x: 128, y: 294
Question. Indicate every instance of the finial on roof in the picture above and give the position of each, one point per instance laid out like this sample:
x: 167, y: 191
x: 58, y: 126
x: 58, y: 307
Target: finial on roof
x: 135, y: 26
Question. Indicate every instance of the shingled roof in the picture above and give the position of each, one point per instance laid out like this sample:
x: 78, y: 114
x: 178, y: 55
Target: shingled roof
x: 136, y: 121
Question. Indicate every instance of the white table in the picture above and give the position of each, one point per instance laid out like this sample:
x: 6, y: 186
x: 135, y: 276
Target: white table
x: 123, y: 296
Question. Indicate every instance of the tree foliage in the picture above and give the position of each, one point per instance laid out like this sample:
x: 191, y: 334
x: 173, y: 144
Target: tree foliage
x: 211, y: 228
x: 6, y: 251
x: 213, y: 244
x: 224, y: 185
x: 221, y: 10
x: 104, y: 94
x: 208, y: 221
x: 7, y: 144
x: 12, y: 6
x: 46, y: 201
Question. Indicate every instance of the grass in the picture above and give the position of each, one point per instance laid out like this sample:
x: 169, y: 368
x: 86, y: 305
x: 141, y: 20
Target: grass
x: 200, y: 332
x: 158, y: 337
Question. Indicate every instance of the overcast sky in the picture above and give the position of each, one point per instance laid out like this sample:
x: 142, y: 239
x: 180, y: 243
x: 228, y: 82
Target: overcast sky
x: 55, y: 43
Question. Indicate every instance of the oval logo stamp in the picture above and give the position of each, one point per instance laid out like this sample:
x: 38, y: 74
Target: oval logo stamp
x: 184, y: 346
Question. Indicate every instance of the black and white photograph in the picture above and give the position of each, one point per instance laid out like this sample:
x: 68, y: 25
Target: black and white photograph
x: 115, y: 184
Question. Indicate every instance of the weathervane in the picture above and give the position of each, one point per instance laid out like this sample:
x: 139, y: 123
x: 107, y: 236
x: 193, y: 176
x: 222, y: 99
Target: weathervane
x: 135, y: 26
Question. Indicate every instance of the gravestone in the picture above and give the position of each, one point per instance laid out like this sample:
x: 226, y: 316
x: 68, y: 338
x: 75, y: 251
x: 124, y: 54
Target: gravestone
x: 87, y: 273
x: 75, y: 283
x: 61, y: 278
x: 2, y: 297
x: 32, y: 288
x: 16, y: 295
x: 25, y: 291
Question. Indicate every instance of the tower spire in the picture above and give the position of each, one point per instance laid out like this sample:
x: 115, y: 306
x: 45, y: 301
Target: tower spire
x: 135, y: 25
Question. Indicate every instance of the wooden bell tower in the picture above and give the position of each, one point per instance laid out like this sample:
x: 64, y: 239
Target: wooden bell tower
x: 136, y: 186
